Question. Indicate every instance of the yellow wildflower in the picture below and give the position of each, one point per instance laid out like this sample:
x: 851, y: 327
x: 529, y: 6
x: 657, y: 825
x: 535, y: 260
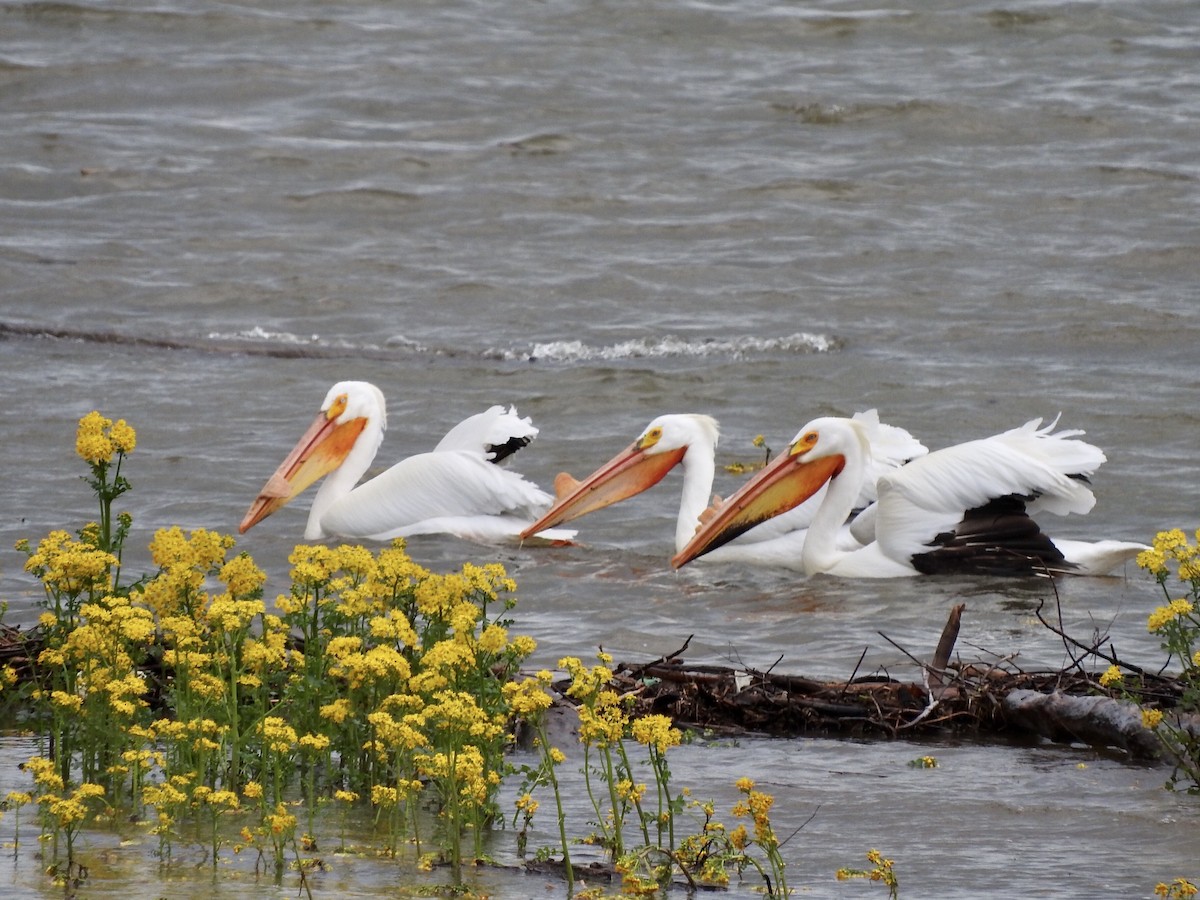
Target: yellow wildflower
x: 526, y: 804
x: 739, y: 837
x: 1171, y: 540
x: 523, y: 645
x: 63, y: 700
x: 393, y: 626
x: 123, y: 436
x: 278, y: 734
x: 92, y: 442
x: 242, y: 576
x: 1112, y: 675
x: 1178, y: 888
x: 1166, y: 614
x: 493, y: 639
x: 1151, y: 717
x: 314, y: 743
x: 384, y: 796
x: 630, y: 792
x: 337, y: 711
x: 281, y: 822
x: 527, y: 697
x: 656, y: 731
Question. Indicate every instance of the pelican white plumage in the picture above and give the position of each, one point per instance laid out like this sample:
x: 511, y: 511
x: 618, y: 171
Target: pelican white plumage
x: 690, y: 441
x: 455, y: 489
x: 962, y: 509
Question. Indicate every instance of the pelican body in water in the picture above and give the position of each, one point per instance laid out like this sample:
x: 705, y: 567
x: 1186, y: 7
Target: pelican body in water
x: 457, y: 488
x: 963, y: 509
x: 690, y: 441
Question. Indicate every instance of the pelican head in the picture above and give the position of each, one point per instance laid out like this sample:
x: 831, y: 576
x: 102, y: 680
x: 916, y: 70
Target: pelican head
x: 815, y: 456
x: 349, y: 409
x: 658, y: 449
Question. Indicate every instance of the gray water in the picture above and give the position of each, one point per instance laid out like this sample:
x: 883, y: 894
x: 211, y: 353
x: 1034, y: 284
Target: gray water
x: 963, y: 214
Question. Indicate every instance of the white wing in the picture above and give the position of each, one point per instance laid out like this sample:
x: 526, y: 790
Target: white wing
x: 495, y: 433
x: 891, y: 447
x: 929, y: 496
x: 446, y: 484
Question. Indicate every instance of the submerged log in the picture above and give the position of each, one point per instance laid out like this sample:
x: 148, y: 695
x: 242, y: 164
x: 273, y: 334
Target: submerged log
x: 1090, y: 720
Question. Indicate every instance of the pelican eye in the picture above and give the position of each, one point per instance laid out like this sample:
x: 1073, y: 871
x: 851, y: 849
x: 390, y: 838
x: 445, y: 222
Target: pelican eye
x: 804, y: 444
x: 650, y: 438
x: 337, y: 407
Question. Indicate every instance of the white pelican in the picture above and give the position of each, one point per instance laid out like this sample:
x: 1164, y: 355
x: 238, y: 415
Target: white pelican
x: 962, y: 509
x: 455, y: 489
x: 690, y: 441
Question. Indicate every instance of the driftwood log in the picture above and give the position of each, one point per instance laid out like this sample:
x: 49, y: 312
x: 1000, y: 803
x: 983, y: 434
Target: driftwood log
x: 992, y: 699
x: 952, y: 698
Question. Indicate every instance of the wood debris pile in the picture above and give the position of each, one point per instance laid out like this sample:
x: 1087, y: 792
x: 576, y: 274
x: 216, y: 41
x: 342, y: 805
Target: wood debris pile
x: 953, y: 698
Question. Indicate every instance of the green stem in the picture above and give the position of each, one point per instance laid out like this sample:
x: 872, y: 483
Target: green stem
x: 562, y: 816
x: 637, y: 804
x: 618, y: 813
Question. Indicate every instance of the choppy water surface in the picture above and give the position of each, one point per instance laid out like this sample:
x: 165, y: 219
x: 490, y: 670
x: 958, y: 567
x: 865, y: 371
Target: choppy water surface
x: 965, y: 215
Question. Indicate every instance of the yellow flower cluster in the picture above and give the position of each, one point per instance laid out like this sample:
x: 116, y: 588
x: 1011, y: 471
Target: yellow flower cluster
x: 757, y: 806
x: 44, y: 773
x: 70, y: 811
x: 70, y: 567
x: 466, y: 769
x: 278, y: 735
x: 280, y: 823
x: 656, y: 731
x: 527, y: 805
x: 630, y: 792
x: 1166, y: 614
x: 392, y: 734
x: 1179, y: 888
x: 200, y: 735
x: 882, y: 872
x: 1111, y: 676
x: 528, y: 697
x: 203, y: 795
x: 98, y: 439
x: 202, y: 549
x: 1173, y: 546
x: 602, y: 722
x: 585, y: 682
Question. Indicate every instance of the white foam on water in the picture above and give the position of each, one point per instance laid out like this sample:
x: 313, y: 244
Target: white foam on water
x: 671, y: 346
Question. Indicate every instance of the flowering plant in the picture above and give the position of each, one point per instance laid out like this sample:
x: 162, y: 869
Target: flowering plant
x: 1177, y: 623
x: 185, y: 702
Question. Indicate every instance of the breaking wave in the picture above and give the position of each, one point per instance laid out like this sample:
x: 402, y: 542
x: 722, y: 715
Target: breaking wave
x: 258, y: 341
x: 671, y: 346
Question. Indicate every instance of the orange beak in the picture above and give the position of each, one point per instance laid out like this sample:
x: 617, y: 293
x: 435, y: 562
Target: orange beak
x: 781, y: 486
x: 321, y: 450
x: 630, y: 472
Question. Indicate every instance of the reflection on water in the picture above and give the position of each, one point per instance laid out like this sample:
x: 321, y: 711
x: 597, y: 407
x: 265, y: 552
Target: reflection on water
x: 995, y: 815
